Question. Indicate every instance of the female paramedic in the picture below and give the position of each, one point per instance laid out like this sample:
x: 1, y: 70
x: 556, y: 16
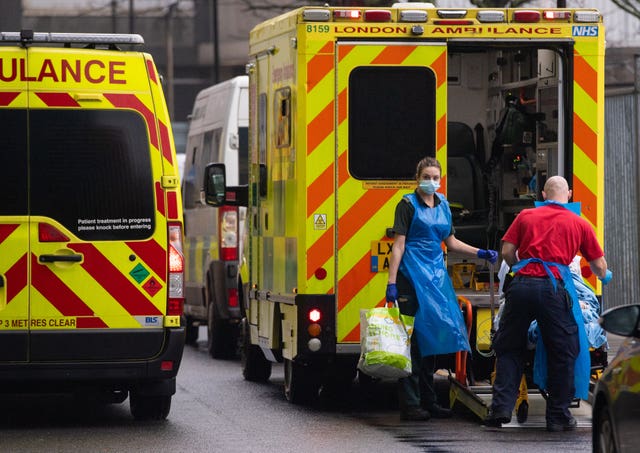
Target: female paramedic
x: 423, y: 288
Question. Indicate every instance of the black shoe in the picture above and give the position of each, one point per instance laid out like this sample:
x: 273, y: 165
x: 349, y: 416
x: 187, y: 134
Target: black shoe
x: 415, y: 414
x: 438, y: 411
x: 497, y: 419
x: 568, y: 425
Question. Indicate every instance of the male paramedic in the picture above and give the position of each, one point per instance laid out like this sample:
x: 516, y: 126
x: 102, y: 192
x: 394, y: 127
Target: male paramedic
x: 539, y: 246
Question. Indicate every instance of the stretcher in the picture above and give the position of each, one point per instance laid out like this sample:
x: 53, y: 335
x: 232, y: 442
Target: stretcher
x: 474, y: 394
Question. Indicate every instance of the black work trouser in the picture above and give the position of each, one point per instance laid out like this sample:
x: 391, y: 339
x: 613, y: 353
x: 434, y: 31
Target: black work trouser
x: 528, y: 299
x: 417, y: 389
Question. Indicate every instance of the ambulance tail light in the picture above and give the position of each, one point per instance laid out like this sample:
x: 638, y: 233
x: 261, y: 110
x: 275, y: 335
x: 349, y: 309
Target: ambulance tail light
x: 526, y: 16
x: 175, y: 302
x: 228, y: 233
x: 490, y: 16
x: 49, y: 233
x: 347, y: 14
x: 375, y: 15
x: 587, y: 16
x: 316, y: 321
x: 556, y: 15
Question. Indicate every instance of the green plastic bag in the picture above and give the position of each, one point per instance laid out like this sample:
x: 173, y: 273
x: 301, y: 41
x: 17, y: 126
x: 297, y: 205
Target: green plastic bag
x: 385, y: 343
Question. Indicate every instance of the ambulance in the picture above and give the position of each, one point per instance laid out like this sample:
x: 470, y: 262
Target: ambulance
x: 218, y: 132
x: 343, y: 103
x: 91, y: 266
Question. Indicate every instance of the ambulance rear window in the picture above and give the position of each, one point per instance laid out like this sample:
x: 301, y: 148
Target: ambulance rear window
x: 91, y: 171
x: 13, y: 184
x: 391, y: 121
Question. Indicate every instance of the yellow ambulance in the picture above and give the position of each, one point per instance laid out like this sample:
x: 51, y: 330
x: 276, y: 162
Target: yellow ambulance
x: 91, y: 267
x: 343, y: 102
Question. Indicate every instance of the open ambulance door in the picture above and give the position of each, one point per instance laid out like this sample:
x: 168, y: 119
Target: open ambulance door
x: 390, y: 113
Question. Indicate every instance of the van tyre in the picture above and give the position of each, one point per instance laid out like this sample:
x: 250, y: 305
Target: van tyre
x: 301, y: 384
x: 221, y: 343
x: 149, y: 407
x: 255, y: 367
x: 191, y: 331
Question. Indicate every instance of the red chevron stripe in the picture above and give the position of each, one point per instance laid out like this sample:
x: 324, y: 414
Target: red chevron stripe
x: 6, y: 229
x: 352, y: 220
x: 16, y: 277
x: 160, y: 198
x: 588, y: 200
x: 354, y: 335
x: 585, y: 138
x: 166, y: 143
x: 441, y: 134
x: 342, y: 106
x: 319, y: 190
x: 114, y: 282
x: 152, y: 254
x: 56, y: 291
x: 90, y: 323
x: 320, y: 252
x: 172, y: 205
x: 131, y: 101
x: 439, y: 66
x: 353, y: 281
x: 319, y: 128
x: 585, y: 76
x: 393, y: 55
x: 152, y: 72
x: 320, y: 65
x: 58, y: 99
x: 343, y: 51
x: 7, y: 98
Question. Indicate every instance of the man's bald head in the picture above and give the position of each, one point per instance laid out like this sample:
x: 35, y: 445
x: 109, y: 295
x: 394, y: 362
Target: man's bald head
x: 557, y: 189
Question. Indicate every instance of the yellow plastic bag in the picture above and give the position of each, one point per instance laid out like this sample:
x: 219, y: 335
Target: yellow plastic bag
x: 385, y: 343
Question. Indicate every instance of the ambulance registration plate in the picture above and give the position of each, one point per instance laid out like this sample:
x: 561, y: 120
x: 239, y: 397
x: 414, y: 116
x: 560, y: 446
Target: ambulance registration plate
x: 380, y: 255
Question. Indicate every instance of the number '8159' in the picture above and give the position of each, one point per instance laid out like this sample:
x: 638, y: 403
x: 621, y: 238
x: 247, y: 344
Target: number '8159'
x: 318, y: 28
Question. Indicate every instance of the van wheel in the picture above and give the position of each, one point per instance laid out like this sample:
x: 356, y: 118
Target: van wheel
x: 255, y: 367
x: 220, y: 341
x: 191, y: 331
x: 301, y: 384
x: 149, y: 407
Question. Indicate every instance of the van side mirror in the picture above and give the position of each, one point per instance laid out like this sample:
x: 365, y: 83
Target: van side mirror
x: 215, y: 185
x: 216, y: 192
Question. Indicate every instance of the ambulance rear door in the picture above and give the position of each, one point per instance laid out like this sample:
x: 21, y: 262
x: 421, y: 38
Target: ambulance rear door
x: 98, y: 234
x: 14, y: 221
x: 391, y: 112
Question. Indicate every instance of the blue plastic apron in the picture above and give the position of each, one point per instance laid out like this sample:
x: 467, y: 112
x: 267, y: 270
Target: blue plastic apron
x: 582, y: 370
x: 439, y: 327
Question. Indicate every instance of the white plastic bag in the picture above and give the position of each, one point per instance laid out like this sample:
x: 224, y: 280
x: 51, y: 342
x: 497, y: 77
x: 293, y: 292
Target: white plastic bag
x: 385, y: 343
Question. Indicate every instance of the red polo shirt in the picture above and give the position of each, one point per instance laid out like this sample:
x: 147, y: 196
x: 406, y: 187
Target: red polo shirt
x: 553, y: 234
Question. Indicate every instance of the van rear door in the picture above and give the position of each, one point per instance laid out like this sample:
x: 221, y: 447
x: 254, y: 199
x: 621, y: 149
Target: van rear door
x: 98, y: 235
x: 391, y: 105
x: 14, y: 221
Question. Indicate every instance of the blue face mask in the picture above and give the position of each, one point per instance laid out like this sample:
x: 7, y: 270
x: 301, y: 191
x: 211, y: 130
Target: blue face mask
x: 429, y: 186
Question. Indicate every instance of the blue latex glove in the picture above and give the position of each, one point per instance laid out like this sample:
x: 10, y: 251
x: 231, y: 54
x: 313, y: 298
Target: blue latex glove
x: 607, y: 277
x: 392, y: 292
x: 489, y: 255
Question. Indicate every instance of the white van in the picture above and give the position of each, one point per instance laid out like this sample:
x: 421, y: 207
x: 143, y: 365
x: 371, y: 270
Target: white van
x: 218, y: 132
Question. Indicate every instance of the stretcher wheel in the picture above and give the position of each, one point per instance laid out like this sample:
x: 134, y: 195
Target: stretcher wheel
x: 523, y: 412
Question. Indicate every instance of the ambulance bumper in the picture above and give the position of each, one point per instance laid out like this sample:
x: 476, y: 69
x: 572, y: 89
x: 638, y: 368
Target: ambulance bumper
x: 117, y: 373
